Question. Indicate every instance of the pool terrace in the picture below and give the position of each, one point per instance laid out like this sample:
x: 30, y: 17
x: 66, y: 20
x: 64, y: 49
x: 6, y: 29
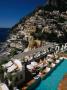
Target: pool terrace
x: 43, y: 72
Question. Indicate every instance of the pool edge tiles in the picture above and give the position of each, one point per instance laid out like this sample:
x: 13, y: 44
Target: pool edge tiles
x: 53, y: 80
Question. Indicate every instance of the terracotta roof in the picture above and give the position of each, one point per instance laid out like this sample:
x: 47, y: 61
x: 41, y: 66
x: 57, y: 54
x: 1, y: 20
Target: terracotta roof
x: 63, y: 83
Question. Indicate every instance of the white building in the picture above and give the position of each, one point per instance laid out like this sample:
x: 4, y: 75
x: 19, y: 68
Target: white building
x: 65, y: 46
x: 3, y: 86
x: 57, y: 48
x: 14, y: 72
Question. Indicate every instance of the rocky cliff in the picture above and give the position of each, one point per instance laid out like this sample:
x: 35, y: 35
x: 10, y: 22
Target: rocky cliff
x: 58, y: 3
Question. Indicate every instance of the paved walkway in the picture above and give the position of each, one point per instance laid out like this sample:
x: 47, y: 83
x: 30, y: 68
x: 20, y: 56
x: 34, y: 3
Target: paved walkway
x: 23, y: 54
x: 63, y: 83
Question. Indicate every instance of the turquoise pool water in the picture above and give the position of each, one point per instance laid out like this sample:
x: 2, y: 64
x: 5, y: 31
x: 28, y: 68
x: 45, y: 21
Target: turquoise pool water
x: 51, y: 83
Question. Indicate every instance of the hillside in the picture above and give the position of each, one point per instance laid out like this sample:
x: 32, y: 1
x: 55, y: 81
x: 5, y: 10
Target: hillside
x: 54, y: 21
x: 44, y: 24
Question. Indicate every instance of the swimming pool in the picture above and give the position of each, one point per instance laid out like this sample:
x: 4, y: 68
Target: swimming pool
x: 52, y: 82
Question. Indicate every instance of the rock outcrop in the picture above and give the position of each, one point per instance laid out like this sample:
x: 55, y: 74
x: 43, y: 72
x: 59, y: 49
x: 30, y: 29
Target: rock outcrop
x: 58, y: 3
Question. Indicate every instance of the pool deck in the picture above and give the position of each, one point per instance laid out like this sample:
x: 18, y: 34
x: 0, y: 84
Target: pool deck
x: 63, y: 83
x: 29, y: 83
x: 62, y: 54
x: 43, y: 74
x: 32, y: 81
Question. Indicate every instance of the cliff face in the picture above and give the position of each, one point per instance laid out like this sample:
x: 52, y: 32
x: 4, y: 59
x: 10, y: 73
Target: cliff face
x: 52, y: 2
x: 57, y: 3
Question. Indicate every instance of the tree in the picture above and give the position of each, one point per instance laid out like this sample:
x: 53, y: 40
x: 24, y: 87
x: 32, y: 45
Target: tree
x: 61, y: 19
x: 13, y: 52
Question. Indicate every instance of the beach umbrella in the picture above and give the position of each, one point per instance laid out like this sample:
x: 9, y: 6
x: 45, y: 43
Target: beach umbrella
x: 41, y: 65
x: 52, y: 65
x: 18, y: 63
x: 30, y: 67
x: 47, y: 69
x: 33, y: 63
x: 56, y: 56
x: 11, y: 68
x: 50, y: 55
x: 57, y: 61
x: 61, y: 58
x: 3, y: 86
x: 49, y: 60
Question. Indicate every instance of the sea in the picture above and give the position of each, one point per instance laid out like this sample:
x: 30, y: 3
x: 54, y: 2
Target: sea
x: 4, y: 32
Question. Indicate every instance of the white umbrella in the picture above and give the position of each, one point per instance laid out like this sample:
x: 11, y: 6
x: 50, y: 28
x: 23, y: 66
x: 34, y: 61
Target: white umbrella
x: 3, y: 87
x: 61, y: 58
x: 56, y: 56
x: 41, y: 65
x: 57, y: 61
x: 12, y: 68
x: 50, y: 55
x: 52, y: 65
x: 49, y: 60
x: 47, y: 69
x: 30, y: 67
x: 18, y: 64
x: 33, y: 63
x: 45, y: 65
